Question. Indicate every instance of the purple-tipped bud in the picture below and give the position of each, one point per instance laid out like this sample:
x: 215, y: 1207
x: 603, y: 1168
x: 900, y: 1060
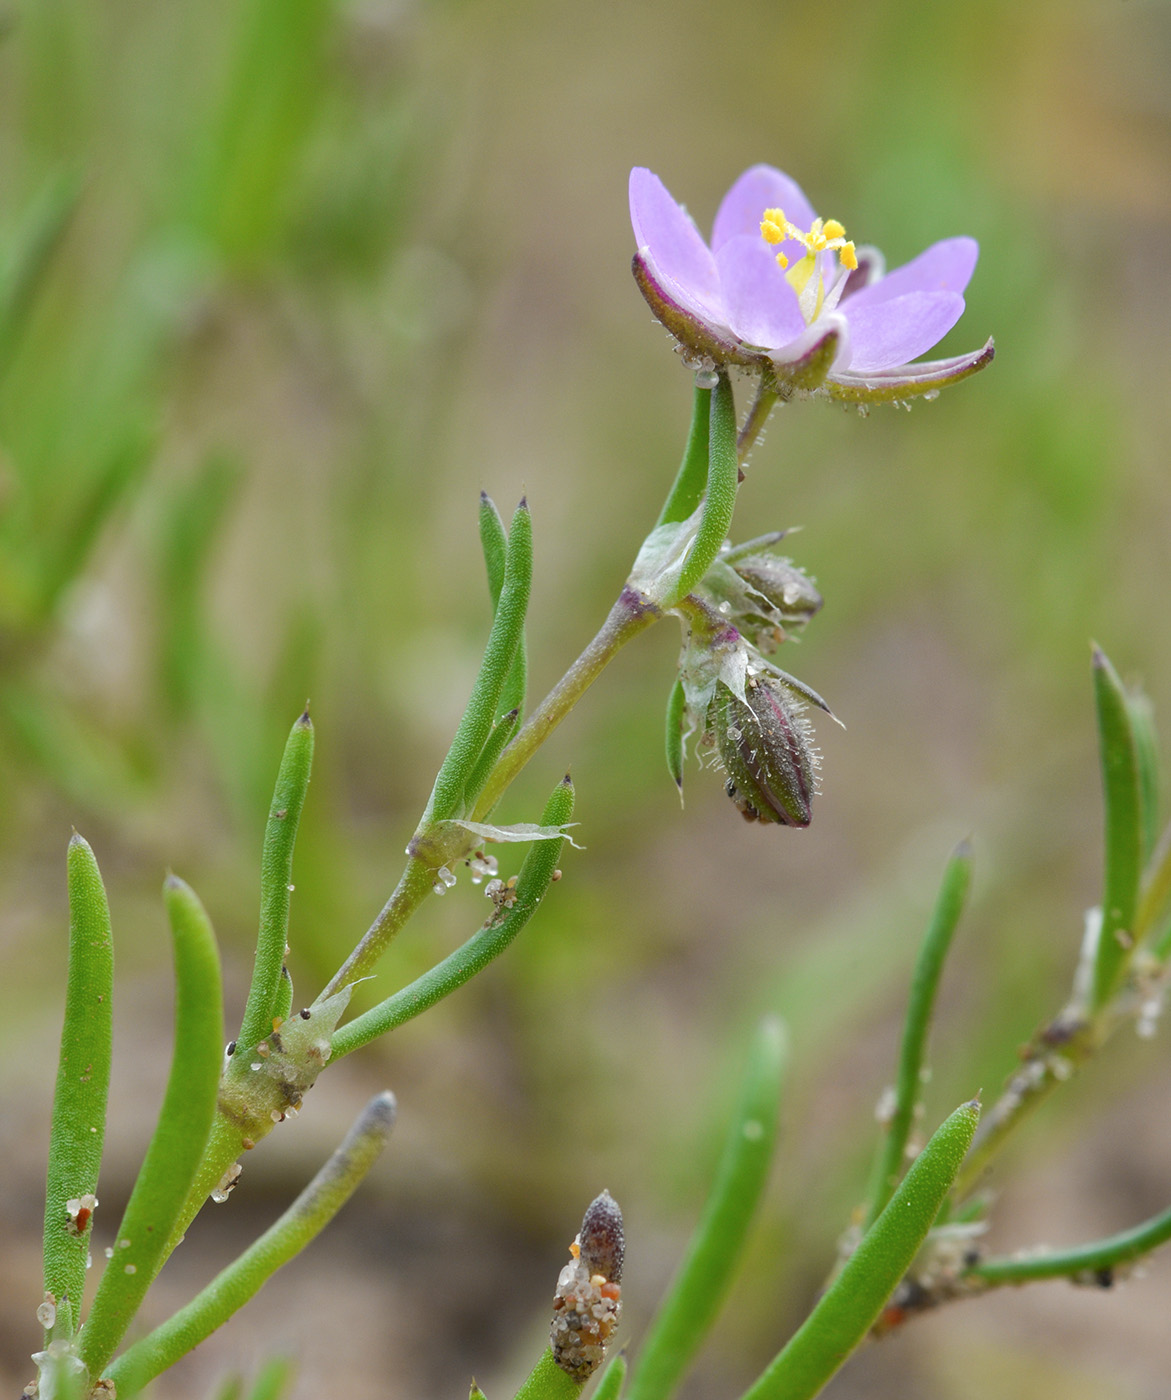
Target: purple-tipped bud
x: 765, y: 748
x: 603, y: 1242
x: 783, y: 585
x: 588, y: 1299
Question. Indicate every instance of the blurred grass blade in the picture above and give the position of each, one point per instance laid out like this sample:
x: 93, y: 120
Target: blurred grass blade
x: 34, y: 246
x: 309, y: 1214
x: 547, y: 1381
x: 276, y: 881
x: 705, y: 1276
x: 610, y: 1386
x: 78, y: 1125
x: 482, y: 708
x: 676, y: 704
x: 176, y: 1148
x: 949, y: 905
x: 689, y: 481
x: 536, y: 874
x: 723, y: 479
x: 850, y: 1305
x: 1146, y: 748
x: 274, y: 1379
x: 1121, y: 788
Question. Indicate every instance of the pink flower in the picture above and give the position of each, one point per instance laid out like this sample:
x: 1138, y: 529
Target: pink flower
x: 785, y: 292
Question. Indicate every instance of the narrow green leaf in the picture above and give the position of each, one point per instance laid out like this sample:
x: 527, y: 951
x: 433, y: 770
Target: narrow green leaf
x: 41, y: 233
x: 536, y: 875
x: 689, y: 480
x: 723, y: 481
x: 83, y: 1078
x: 1101, y: 1256
x: 547, y: 1381
x: 949, y: 905
x: 1146, y: 748
x: 313, y: 1209
x: 676, y: 704
x: 176, y: 1148
x: 502, y: 731
x: 610, y: 1386
x: 284, y: 997
x: 482, y: 709
x: 495, y: 545
x: 849, y: 1307
x: 698, y: 1290
x: 1123, y: 810
x: 276, y: 882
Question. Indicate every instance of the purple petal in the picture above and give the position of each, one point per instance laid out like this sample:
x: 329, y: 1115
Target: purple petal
x: 894, y: 332
x: 759, y: 304
x: 756, y: 190
x: 944, y: 267
x: 669, y: 240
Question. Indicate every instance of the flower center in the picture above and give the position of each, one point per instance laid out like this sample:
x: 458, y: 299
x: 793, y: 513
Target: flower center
x: 825, y: 235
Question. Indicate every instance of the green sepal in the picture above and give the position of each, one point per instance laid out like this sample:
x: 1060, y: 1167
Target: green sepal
x: 949, y: 905
x: 483, y: 704
x: 276, y: 882
x: 184, y: 1124
x: 676, y: 707
x: 1121, y: 787
x: 699, y: 1288
x: 723, y: 479
x: 536, y: 875
x: 78, y: 1125
x: 689, y: 480
x: 309, y: 1214
x: 852, y: 1303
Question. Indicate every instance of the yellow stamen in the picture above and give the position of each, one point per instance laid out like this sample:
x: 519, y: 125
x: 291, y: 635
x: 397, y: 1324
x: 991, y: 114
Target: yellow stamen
x: 827, y: 235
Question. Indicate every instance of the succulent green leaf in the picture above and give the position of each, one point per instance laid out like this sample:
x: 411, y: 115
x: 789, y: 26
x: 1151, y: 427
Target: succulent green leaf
x: 184, y: 1123
x: 610, y: 1385
x: 495, y: 545
x: 949, y: 905
x: 536, y: 875
x: 547, y: 1381
x: 1121, y: 785
x: 274, y: 1379
x: 313, y: 1209
x: 849, y: 1307
x: 699, y: 1288
x: 723, y: 480
x: 78, y: 1124
x: 689, y: 480
x: 276, y: 882
x: 1146, y: 747
x: 502, y: 731
x: 482, y: 709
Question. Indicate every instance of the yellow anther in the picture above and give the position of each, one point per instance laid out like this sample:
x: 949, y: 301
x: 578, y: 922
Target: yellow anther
x: 823, y: 235
x: 832, y: 229
x: 847, y: 256
x: 773, y: 226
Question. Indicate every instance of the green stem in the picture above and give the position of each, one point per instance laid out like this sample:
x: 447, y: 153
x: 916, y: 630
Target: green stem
x: 850, y: 1305
x: 758, y: 415
x: 908, y: 1084
x: 179, y: 1139
x: 701, y: 1285
x: 276, y: 881
x: 1098, y: 1257
x: 629, y: 616
x: 415, y: 884
x: 313, y: 1209
x: 78, y: 1125
x: 488, y: 943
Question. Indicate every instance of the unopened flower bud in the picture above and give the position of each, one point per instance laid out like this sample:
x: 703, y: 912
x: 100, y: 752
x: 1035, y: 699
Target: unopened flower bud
x: 765, y: 748
x: 783, y: 585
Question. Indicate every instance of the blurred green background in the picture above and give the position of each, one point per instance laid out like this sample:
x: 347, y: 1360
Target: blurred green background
x: 283, y: 285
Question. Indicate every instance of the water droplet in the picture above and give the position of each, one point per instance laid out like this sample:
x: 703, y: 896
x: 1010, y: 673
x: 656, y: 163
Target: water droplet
x: 446, y: 876
x: 290, y: 888
x: 931, y: 395
x: 437, y: 888
x: 47, y: 1314
x: 706, y: 379
x: 130, y: 1269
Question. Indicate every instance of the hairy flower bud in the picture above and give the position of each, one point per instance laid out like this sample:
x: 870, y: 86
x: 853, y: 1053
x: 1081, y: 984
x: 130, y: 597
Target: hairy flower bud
x: 765, y: 748
x: 588, y: 1299
x: 787, y: 590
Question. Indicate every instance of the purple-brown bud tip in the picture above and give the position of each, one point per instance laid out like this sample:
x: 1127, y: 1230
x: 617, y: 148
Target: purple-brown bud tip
x: 765, y: 748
